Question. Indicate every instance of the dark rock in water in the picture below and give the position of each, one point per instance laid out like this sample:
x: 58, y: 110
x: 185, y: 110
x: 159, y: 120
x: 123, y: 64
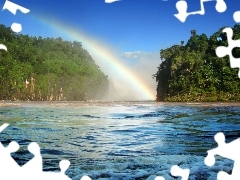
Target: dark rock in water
x: 129, y: 117
x: 90, y: 116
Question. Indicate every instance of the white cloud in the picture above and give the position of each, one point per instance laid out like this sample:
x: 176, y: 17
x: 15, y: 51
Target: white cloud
x: 134, y: 54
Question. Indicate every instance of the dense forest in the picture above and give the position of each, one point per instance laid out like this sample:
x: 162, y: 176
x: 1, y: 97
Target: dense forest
x: 193, y: 72
x: 36, y: 68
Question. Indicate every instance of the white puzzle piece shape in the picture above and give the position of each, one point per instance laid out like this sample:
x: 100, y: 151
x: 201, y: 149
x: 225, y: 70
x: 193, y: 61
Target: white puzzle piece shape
x: 226, y: 150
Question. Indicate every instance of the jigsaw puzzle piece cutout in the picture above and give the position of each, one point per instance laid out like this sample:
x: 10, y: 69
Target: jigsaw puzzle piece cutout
x: 159, y: 178
x: 182, y: 7
x: 177, y: 171
x: 34, y: 166
x: 223, y: 176
x: 86, y: 178
x: 111, y: 1
x: 5, y: 125
x: 5, y: 156
x: 64, y: 165
x: 221, y: 6
x: 2, y: 46
x: 227, y: 150
x: 12, y: 7
x: 222, y: 51
x: 236, y: 16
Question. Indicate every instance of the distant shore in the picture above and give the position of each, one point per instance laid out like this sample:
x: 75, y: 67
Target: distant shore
x: 111, y: 103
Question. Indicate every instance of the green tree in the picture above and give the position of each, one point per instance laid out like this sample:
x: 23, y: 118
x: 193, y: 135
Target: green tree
x: 193, y: 72
x: 37, y: 68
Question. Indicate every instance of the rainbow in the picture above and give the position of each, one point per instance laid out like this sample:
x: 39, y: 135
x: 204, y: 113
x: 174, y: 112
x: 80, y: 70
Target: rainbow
x: 101, y: 51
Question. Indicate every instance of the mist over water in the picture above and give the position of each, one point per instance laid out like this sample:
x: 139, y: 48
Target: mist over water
x: 121, y: 92
x: 122, y: 74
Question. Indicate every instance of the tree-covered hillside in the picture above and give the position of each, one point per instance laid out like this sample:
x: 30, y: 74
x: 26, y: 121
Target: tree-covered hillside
x: 193, y: 72
x: 36, y: 68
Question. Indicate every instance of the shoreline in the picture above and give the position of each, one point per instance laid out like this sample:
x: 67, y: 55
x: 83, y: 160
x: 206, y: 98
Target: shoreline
x: 4, y: 103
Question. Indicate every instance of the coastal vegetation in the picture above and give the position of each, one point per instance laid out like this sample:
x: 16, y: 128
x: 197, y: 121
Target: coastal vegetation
x: 36, y: 68
x: 193, y: 72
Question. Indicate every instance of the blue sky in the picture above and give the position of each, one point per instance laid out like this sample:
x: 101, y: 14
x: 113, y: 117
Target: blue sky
x: 131, y: 25
x: 138, y: 29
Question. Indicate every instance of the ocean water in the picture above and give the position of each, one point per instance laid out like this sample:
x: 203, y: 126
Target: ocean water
x: 121, y: 140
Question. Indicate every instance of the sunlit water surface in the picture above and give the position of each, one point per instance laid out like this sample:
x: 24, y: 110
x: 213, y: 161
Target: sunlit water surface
x: 121, y: 140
